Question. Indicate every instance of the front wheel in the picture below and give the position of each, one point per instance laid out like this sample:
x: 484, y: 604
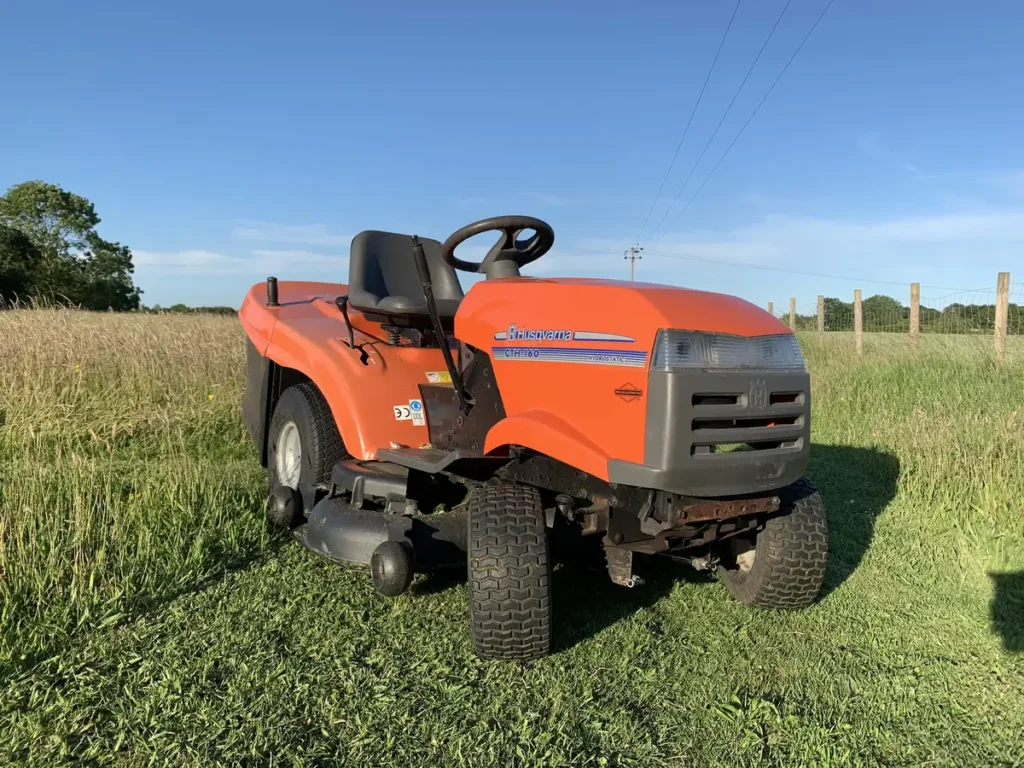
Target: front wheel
x: 509, y: 571
x: 303, y: 447
x: 785, y: 566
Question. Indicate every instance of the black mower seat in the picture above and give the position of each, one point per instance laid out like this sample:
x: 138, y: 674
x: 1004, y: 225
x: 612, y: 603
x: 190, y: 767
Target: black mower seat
x: 383, y: 279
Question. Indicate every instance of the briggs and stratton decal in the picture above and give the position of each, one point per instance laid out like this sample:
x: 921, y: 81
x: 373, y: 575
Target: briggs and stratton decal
x: 629, y: 393
x: 623, y: 357
x: 515, y: 333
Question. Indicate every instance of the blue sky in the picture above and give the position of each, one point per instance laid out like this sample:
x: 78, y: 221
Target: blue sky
x: 224, y: 141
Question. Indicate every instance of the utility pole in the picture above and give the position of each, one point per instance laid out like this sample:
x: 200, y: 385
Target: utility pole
x: 633, y: 254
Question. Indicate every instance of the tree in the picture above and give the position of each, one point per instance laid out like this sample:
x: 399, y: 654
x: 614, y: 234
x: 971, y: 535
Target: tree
x: 838, y: 314
x: 19, y: 260
x: 882, y: 305
x: 75, y: 262
x: 884, y: 313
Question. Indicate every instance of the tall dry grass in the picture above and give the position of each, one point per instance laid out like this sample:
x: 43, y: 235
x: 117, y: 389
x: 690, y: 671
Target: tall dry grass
x: 125, y: 472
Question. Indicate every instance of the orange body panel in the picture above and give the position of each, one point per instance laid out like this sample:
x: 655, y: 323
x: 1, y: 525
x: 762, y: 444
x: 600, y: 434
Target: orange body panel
x: 574, y: 408
x: 584, y: 413
x: 307, y: 333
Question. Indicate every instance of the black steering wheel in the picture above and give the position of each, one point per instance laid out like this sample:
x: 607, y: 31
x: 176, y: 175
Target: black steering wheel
x: 509, y: 254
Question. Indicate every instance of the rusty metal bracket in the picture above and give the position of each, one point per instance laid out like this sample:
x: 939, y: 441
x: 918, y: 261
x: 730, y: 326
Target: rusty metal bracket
x: 620, y: 565
x: 651, y: 525
x: 723, y: 509
x: 595, y: 518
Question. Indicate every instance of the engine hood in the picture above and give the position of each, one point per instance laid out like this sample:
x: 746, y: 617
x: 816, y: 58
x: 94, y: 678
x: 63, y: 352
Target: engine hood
x: 562, y: 312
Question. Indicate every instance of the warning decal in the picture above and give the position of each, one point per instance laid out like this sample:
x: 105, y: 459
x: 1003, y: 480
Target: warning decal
x: 416, y: 407
x: 412, y: 412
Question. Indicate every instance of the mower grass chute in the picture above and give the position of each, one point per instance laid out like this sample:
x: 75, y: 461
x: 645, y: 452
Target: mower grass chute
x: 654, y: 420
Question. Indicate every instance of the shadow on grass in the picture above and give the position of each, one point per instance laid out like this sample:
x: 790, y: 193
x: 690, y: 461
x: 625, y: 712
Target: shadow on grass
x: 587, y: 602
x: 856, y: 485
x: 438, y: 581
x: 1008, y: 609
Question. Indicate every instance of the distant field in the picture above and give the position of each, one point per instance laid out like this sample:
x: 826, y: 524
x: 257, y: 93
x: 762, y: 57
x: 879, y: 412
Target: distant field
x: 147, y: 616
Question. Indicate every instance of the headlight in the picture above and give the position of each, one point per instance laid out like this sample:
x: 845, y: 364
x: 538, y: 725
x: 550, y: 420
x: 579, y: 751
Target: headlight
x: 690, y: 349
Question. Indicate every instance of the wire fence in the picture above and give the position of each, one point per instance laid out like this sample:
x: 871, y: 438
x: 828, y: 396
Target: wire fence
x: 994, y: 316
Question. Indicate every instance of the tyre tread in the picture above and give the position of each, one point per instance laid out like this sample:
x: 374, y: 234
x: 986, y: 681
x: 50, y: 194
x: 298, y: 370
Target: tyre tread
x: 792, y: 554
x: 509, y: 573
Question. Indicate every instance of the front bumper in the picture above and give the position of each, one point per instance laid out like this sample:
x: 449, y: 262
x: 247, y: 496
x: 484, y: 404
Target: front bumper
x: 722, y: 433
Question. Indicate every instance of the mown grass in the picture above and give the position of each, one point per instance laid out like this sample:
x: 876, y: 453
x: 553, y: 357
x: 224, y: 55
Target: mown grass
x: 147, y: 617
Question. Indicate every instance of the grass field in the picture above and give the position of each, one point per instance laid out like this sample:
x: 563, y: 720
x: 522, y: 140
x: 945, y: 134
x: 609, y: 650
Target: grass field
x: 148, y: 618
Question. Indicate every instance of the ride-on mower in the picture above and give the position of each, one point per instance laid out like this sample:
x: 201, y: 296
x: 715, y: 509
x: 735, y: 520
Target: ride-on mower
x: 410, y: 427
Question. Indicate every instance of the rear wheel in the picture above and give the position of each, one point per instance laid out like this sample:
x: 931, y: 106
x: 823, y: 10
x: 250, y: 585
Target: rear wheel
x: 509, y: 573
x: 303, y: 447
x: 785, y: 566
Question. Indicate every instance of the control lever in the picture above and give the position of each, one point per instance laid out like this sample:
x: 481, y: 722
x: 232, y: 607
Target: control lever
x: 435, y: 319
x: 342, y: 302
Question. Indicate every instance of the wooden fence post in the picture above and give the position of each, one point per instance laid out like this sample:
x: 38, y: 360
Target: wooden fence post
x: 792, y: 315
x: 1002, y: 307
x: 821, y: 316
x: 858, y: 322
x: 915, y: 313
x: 771, y: 308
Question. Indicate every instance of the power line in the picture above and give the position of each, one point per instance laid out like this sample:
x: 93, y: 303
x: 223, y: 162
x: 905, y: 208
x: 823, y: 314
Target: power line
x: 742, y: 265
x: 752, y: 114
x: 765, y: 267
x: 728, y: 109
x: 696, y: 104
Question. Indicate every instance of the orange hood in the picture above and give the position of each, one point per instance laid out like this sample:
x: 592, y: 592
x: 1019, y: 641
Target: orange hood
x: 634, y: 311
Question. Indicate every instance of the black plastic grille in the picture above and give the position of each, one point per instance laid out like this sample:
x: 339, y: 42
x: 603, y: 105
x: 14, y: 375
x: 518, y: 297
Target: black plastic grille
x: 730, y: 422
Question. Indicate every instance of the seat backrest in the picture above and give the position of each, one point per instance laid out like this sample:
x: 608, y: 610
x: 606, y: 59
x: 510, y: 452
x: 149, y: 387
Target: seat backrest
x: 383, y: 276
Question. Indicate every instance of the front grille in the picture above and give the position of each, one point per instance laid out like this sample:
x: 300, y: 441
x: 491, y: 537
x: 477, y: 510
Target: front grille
x: 717, y: 434
x: 761, y: 419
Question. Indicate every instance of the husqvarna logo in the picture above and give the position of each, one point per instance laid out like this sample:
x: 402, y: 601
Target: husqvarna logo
x: 516, y: 333
x: 758, y: 394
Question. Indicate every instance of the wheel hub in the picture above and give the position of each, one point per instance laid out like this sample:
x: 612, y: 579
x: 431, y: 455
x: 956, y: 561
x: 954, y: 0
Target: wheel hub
x: 288, y: 464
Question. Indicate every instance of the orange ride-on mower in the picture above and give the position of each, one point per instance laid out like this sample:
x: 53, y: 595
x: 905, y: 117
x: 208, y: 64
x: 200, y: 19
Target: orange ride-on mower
x: 656, y: 420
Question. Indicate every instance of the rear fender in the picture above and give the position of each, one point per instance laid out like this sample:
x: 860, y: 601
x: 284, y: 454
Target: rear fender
x: 265, y: 380
x: 331, y: 369
x: 546, y: 433
x: 296, y: 343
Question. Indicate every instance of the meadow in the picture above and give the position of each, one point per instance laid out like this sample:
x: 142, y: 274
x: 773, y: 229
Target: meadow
x: 148, y: 617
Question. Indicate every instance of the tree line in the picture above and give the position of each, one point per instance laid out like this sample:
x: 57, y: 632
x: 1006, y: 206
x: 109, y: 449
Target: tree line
x: 182, y: 309
x: 886, y: 314
x: 50, y: 252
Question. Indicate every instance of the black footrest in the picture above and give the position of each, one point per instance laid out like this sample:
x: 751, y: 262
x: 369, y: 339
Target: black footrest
x: 373, y: 479
x: 429, y: 460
